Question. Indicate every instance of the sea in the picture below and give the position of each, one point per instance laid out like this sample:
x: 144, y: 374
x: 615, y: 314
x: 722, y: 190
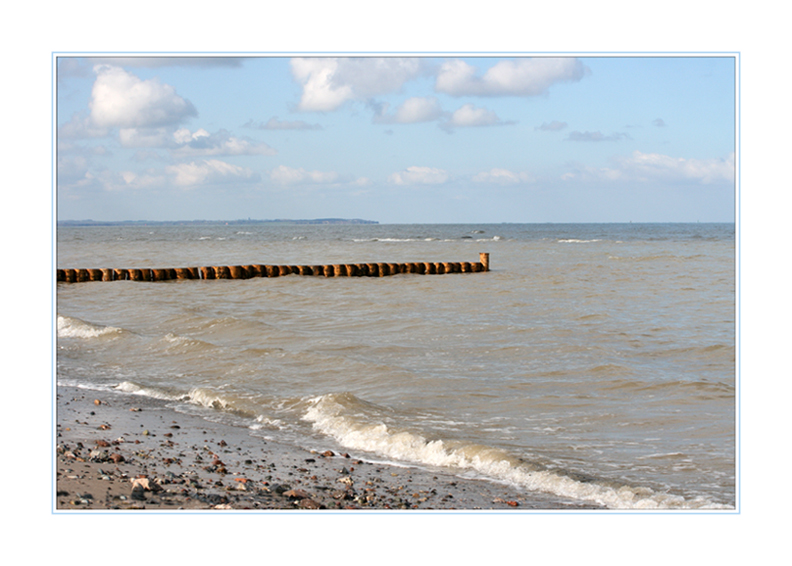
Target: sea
x: 593, y: 363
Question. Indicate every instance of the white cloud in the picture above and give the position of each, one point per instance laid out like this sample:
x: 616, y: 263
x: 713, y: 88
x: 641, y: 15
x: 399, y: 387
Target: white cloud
x: 328, y: 83
x: 553, y: 126
x: 132, y: 180
x: 121, y: 99
x: 81, y: 126
x: 289, y: 176
x: 520, y: 77
x: 654, y: 167
x: 71, y: 168
x: 412, y: 111
x: 183, y: 135
x: 470, y: 116
x: 657, y: 166
x: 202, y: 143
x: 419, y: 176
x: 211, y: 171
x: 145, y: 137
x: 502, y: 177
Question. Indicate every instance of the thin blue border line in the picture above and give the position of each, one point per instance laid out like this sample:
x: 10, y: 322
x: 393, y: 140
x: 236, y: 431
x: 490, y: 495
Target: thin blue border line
x: 738, y: 213
x: 738, y: 322
x: 53, y: 287
x: 252, y: 54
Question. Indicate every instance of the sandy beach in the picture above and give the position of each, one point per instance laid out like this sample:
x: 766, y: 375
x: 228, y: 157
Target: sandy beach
x: 122, y: 452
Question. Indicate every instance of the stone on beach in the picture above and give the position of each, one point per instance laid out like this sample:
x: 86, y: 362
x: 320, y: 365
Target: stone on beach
x: 246, y: 472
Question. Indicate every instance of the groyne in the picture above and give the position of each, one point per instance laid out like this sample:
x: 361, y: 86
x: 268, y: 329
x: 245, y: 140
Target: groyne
x: 376, y: 269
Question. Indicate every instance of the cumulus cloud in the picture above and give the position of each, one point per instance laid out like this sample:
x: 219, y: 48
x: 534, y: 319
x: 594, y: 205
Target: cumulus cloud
x: 276, y: 124
x: 288, y: 176
x: 413, y: 110
x: 470, y: 116
x: 121, y: 99
x: 145, y: 137
x: 81, y: 126
x: 502, y: 177
x: 419, y: 176
x: 553, y: 126
x: 181, y: 176
x: 211, y: 171
x: 654, y: 167
x: 644, y: 166
x: 71, y: 168
x: 519, y: 77
x: 595, y: 136
x: 202, y: 143
x: 327, y: 83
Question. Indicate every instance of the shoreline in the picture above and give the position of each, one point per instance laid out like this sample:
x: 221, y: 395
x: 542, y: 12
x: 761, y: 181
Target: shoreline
x: 116, y: 451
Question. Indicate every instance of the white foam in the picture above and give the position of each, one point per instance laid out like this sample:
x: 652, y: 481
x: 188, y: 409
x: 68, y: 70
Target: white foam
x: 76, y: 328
x: 207, y: 398
x: 135, y: 389
x: 262, y: 422
x: 328, y: 415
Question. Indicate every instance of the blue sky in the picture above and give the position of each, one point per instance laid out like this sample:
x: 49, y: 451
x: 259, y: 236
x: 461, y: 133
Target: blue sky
x: 397, y: 139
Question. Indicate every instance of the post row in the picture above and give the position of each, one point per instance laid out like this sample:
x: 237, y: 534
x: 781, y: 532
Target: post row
x: 257, y: 270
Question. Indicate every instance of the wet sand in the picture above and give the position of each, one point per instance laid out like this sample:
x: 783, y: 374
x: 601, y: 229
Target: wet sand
x: 122, y: 452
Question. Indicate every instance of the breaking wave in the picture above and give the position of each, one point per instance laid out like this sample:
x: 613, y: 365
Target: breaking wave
x: 342, y: 416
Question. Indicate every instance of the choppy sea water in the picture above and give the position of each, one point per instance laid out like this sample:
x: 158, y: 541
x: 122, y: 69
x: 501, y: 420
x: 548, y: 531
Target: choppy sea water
x: 593, y: 362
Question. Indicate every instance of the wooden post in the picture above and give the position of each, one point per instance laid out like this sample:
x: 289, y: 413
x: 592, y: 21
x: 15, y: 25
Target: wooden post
x: 484, y: 256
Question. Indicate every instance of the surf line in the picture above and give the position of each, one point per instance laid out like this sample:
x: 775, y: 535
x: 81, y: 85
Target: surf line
x: 258, y: 270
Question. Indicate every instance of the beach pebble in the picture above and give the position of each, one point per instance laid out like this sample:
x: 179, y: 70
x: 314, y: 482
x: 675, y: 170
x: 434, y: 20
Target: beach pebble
x: 138, y: 493
x: 143, y: 483
x: 342, y: 494
x: 297, y: 494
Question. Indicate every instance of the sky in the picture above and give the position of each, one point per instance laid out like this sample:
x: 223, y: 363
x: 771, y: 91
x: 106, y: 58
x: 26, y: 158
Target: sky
x: 418, y: 139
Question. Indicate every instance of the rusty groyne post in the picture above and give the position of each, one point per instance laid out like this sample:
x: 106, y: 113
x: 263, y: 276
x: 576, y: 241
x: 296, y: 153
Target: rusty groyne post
x: 484, y: 259
x: 379, y: 269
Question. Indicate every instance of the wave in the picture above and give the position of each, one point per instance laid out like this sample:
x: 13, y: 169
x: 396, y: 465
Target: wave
x: 679, y: 387
x: 70, y: 327
x: 427, y: 239
x: 344, y: 418
x: 359, y: 425
x: 576, y: 241
x: 153, y: 392
x: 183, y: 344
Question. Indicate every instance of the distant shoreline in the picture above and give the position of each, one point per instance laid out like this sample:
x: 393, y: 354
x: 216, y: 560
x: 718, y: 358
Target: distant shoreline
x: 203, y: 222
